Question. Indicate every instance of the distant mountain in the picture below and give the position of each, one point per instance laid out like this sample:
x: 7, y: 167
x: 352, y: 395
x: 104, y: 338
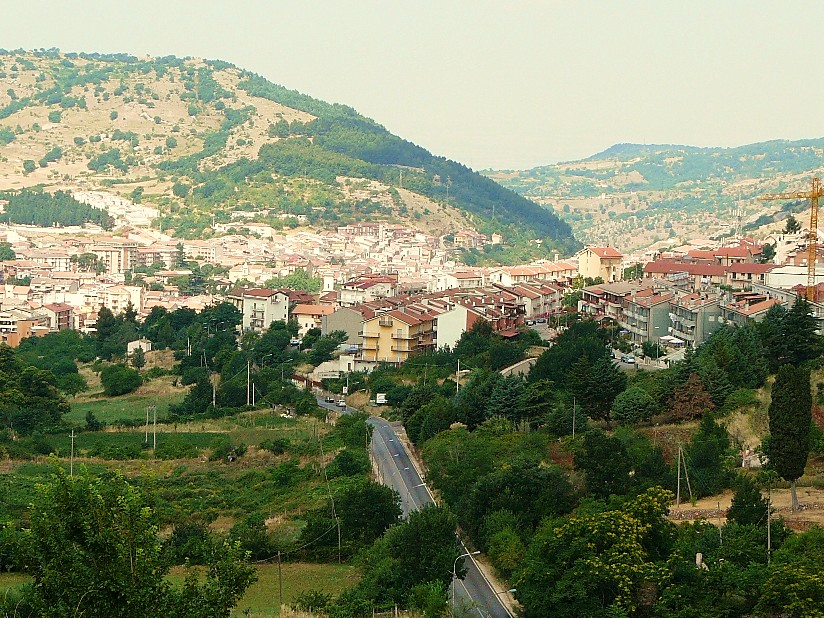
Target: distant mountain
x: 203, y: 140
x: 633, y: 195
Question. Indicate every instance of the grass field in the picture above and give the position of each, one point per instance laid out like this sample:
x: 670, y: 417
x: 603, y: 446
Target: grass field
x: 261, y: 599
x: 128, y: 408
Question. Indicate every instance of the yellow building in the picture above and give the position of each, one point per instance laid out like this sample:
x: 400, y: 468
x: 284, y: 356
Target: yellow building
x: 394, y: 336
x: 604, y: 262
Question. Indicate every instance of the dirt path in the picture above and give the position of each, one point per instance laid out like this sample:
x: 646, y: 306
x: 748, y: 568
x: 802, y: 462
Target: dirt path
x: 714, y: 509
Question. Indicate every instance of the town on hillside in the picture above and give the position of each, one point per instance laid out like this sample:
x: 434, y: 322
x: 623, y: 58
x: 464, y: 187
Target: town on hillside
x: 394, y: 291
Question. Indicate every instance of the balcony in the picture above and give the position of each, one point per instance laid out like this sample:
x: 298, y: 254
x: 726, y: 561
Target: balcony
x: 385, y: 322
x: 403, y: 348
x: 404, y: 337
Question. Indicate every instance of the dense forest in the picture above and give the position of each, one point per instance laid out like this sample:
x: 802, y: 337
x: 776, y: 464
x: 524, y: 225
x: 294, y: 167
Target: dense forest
x: 34, y: 207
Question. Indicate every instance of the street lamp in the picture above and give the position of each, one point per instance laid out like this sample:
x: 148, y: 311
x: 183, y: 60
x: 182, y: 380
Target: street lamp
x: 455, y: 575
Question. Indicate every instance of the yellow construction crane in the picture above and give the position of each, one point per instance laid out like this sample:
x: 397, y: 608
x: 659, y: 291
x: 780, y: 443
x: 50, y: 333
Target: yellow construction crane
x: 813, y: 194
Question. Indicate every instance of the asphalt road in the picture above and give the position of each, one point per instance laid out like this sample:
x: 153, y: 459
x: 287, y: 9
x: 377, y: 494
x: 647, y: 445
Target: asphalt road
x: 396, y: 470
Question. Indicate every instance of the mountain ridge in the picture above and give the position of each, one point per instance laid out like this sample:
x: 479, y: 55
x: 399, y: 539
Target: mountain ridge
x: 202, y: 138
x: 641, y: 195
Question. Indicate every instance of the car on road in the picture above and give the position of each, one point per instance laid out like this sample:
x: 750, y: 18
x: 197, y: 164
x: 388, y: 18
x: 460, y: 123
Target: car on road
x: 541, y: 320
x: 330, y: 399
x: 341, y: 403
x: 530, y: 322
x: 629, y: 359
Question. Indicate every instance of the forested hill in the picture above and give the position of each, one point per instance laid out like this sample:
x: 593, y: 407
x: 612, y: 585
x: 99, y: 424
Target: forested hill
x: 638, y: 194
x: 201, y: 138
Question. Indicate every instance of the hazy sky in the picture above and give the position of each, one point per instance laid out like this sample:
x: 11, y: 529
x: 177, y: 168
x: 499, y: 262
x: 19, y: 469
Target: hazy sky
x: 506, y: 84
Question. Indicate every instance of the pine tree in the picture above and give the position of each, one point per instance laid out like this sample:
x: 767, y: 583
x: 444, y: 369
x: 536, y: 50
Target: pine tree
x: 790, y: 419
x: 799, y: 330
x: 691, y: 400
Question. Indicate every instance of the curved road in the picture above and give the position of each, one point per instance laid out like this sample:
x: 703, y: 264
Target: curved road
x: 396, y: 470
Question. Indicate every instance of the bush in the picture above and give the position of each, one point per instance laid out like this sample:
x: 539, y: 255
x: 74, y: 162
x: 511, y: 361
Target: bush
x: 175, y: 447
x: 55, y: 116
x: 349, y: 462
x: 29, y: 166
x: 155, y: 372
x: 190, y: 541
x: 111, y: 451
x: 119, y: 380
x: 277, y: 446
x: 223, y: 449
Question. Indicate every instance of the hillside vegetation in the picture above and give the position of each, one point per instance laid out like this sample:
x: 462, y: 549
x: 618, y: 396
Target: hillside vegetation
x: 201, y: 139
x: 635, y: 195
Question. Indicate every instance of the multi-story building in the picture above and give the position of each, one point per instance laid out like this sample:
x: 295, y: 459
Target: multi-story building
x: 310, y: 316
x: 260, y: 306
x: 395, y: 336
x: 18, y: 324
x: 603, y: 262
x: 646, y: 314
x: 695, y: 317
x: 61, y: 316
x: 366, y: 288
x: 116, y: 254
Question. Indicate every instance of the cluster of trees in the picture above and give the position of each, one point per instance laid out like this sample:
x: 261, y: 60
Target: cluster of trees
x: 37, y: 207
x: 29, y: 398
x: 532, y: 505
x: 93, y: 547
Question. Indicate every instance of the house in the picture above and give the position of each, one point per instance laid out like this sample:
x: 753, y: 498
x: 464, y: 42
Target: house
x: 453, y: 323
x: 310, y: 316
x: 349, y: 320
x: 603, y: 262
x: 368, y: 287
x: 260, y: 306
x: 142, y: 344
x: 743, y: 274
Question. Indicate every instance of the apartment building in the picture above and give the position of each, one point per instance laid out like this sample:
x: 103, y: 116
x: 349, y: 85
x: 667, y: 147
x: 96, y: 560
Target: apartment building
x: 260, y: 306
x: 395, y: 336
x: 604, y: 262
x: 695, y: 317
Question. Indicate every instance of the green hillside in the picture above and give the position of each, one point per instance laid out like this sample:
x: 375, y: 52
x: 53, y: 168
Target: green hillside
x: 202, y: 139
x: 633, y: 194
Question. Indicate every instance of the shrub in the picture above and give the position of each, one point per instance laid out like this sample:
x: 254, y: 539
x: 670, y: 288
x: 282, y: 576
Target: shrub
x: 119, y: 380
x: 55, y: 116
x: 277, y: 446
x: 175, y: 447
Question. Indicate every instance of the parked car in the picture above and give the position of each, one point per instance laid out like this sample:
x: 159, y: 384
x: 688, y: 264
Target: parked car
x: 341, y: 403
x: 628, y: 358
x: 330, y: 399
x: 541, y: 320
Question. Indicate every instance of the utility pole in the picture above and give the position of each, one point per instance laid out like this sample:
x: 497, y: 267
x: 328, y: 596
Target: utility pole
x: 71, y: 459
x: 769, y: 531
x: 573, y: 418
x: 214, y: 395
x: 686, y: 477
x: 280, y: 583
x: 154, y: 432
x: 458, y: 378
x: 248, y: 380
x: 146, y: 437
